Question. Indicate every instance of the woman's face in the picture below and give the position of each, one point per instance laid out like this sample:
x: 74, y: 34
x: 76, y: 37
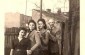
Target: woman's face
x: 22, y: 33
x: 31, y: 26
x: 40, y: 25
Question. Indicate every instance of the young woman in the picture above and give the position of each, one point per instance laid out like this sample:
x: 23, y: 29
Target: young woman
x: 19, y: 44
x: 34, y: 37
x: 44, y: 36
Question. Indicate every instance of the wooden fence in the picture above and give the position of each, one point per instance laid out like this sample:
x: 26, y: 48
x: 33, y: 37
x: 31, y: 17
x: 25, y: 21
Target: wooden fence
x: 10, y: 34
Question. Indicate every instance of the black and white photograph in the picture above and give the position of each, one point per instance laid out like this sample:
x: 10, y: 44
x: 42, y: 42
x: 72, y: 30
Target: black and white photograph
x: 42, y: 27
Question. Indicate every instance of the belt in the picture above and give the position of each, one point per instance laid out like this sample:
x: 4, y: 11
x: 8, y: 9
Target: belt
x: 19, y: 49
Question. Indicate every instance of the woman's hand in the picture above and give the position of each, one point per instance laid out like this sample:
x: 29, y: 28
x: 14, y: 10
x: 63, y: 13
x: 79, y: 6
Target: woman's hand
x: 48, y: 31
x: 29, y: 52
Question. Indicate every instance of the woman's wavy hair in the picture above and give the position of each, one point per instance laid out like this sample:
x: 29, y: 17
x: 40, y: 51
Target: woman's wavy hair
x: 44, y: 22
x: 21, y: 28
x: 32, y: 21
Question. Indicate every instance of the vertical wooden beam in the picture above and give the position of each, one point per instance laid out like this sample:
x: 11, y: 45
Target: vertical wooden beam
x: 40, y: 8
x: 73, y: 19
x: 26, y: 8
x: 62, y: 37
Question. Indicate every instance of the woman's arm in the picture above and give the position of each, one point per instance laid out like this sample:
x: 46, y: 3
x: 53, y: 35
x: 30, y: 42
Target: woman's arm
x: 26, y: 35
x: 56, y: 37
x: 38, y: 42
x: 12, y: 47
x: 53, y: 38
x: 11, y: 52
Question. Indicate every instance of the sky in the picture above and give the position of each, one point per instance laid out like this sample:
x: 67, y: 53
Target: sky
x: 20, y: 5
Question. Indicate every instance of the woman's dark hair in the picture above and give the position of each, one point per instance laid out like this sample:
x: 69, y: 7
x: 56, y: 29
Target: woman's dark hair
x: 32, y: 21
x: 22, y: 28
x: 44, y: 22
